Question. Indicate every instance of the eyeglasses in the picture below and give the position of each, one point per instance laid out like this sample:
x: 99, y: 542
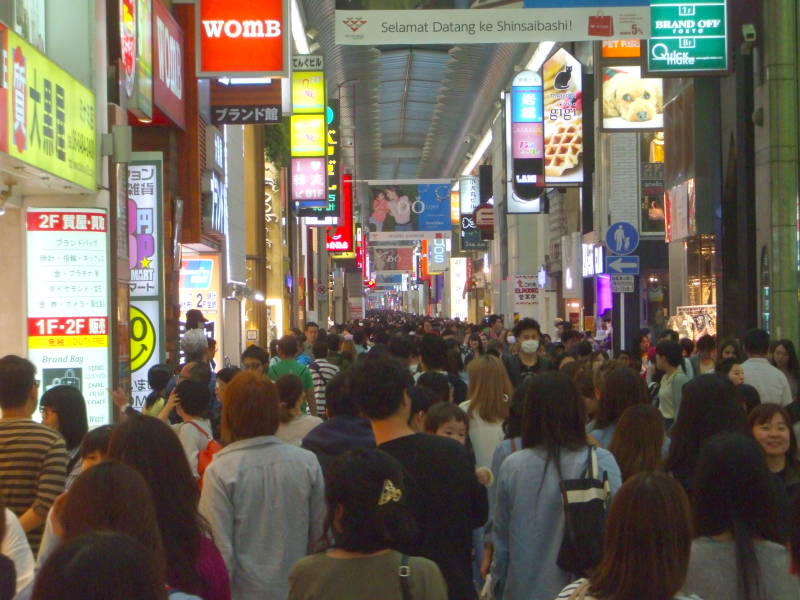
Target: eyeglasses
x: 46, y: 409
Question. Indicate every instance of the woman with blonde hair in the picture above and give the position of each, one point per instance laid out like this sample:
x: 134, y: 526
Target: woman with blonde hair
x: 487, y: 405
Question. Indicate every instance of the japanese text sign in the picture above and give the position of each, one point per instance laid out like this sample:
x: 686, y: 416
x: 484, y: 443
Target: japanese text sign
x: 245, y: 115
x: 242, y: 38
x: 144, y: 228
x: 68, y: 302
x: 51, y: 116
x: 146, y: 347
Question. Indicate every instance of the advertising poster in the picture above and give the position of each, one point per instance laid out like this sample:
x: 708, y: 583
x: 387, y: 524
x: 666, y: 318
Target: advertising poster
x: 403, y: 208
x: 469, y: 194
x: 526, y: 292
x: 143, y: 95
x: 387, y: 259
x: 51, y: 116
x: 146, y: 346
x: 68, y: 337
x: 563, y: 119
x: 401, y: 22
x: 199, y: 286
x: 630, y: 101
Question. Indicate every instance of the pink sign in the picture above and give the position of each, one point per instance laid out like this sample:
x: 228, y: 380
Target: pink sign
x: 528, y: 140
x: 309, y: 179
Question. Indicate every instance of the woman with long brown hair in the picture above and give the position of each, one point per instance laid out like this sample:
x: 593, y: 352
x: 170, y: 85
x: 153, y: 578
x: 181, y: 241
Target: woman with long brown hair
x: 647, y: 542
x: 489, y: 398
x: 620, y: 388
x: 638, y: 440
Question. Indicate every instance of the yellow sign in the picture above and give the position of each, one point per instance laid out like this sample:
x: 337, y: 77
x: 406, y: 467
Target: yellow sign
x: 51, y: 116
x: 143, y: 338
x: 308, y: 135
x: 68, y: 341
x: 308, y: 92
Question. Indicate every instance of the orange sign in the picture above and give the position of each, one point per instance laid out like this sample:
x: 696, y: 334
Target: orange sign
x: 242, y: 38
x: 622, y: 49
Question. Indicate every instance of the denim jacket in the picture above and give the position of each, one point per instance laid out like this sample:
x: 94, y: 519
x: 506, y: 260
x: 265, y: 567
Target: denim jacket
x: 528, y: 524
x: 264, y: 500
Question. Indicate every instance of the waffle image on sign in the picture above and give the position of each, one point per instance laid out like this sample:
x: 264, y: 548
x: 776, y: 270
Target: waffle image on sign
x: 563, y: 147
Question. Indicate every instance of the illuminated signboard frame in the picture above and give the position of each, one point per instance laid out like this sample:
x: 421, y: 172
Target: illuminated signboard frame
x: 314, y: 129
x: 525, y: 122
x: 240, y: 11
x: 340, y: 240
x: 68, y: 311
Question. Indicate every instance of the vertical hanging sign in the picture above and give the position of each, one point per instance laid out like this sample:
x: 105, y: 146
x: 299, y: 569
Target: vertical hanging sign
x: 145, y: 237
x: 525, y: 122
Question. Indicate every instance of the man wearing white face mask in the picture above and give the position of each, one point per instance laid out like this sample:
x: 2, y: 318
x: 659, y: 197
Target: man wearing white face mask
x: 527, y: 361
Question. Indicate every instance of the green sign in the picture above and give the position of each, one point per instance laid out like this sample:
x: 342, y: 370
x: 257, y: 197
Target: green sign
x: 689, y: 36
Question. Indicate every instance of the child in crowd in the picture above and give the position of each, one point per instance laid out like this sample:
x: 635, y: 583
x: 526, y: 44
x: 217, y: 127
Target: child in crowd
x: 448, y: 420
x: 94, y: 447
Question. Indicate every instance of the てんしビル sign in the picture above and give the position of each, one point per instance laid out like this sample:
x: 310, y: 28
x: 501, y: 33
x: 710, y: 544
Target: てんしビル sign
x: 241, y: 38
x: 51, y: 116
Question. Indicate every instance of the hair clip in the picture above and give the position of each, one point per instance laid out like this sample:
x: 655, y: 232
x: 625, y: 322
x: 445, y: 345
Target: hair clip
x: 389, y: 493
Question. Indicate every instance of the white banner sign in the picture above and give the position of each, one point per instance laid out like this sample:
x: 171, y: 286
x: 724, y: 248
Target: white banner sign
x: 68, y: 318
x: 459, y: 304
x: 526, y: 292
x: 406, y: 236
x: 470, y: 26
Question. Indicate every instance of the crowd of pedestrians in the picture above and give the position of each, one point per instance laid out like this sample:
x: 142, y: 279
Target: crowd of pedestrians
x: 416, y: 459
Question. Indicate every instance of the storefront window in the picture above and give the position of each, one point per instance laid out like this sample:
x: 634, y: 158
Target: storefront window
x: 700, y: 264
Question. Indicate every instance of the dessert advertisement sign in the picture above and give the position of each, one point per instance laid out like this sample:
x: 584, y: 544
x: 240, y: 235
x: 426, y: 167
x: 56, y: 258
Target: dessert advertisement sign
x: 563, y: 119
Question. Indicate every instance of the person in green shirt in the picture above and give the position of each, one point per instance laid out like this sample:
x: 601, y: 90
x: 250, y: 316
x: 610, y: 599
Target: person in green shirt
x: 287, y: 351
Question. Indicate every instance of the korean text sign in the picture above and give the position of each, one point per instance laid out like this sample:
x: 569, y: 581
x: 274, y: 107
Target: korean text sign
x: 340, y: 238
x: 242, y: 38
x: 68, y: 302
x: 51, y: 116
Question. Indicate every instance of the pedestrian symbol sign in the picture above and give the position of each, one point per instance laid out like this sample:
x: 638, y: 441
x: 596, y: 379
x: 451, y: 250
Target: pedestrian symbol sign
x: 622, y: 238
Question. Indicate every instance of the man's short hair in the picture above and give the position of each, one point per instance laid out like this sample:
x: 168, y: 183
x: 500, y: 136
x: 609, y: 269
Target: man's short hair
x: 96, y: 440
x: 377, y: 384
x: 158, y: 377
x: 17, y: 376
x: 194, y: 344
x: 320, y: 349
x: 199, y: 371
x: 195, y: 397
x: 433, y: 352
x: 669, y: 334
x: 288, y: 346
x: 310, y: 324
x: 756, y: 341
x: 571, y: 334
x: 437, y: 383
x: 402, y: 346
x: 256, y: 352
x: 338, y: 399
x: 524, y: 325
x: 334, y: 342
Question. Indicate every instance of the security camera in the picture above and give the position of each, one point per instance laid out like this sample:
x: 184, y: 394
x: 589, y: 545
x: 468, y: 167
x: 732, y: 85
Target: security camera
x: 749, y: 33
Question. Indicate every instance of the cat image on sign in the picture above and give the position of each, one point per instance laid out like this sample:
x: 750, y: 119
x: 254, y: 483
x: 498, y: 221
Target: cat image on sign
x: 563, y: 78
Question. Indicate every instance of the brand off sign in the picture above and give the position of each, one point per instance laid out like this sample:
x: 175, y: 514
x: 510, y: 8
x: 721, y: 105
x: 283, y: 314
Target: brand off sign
x: 241, y: 38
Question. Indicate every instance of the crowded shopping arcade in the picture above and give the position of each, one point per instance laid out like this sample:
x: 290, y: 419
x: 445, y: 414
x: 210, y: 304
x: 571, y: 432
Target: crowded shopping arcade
x: 400, y: 299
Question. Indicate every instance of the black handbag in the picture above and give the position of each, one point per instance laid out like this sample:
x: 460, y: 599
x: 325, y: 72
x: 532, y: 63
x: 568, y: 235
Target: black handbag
x: 585, y: 506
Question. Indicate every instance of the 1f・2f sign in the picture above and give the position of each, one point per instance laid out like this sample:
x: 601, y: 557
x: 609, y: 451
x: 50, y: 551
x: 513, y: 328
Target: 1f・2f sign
x: 242, y: 38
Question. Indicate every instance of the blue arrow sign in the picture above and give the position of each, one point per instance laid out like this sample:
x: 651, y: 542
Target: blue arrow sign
x: 622, y: 238
x: 622, y: 265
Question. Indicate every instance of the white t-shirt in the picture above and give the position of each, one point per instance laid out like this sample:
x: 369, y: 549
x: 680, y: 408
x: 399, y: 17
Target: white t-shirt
x: 15, y: 546
x: 295, y: 430
x: 193, y: 440
x: 484, y: 437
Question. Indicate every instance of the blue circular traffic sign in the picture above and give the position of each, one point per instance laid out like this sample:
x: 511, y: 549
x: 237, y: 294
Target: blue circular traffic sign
x: 622, y: 238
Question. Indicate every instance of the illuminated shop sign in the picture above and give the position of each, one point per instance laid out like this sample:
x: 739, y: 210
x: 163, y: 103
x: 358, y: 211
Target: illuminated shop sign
x: 68, y: 317
x: 525, y: 133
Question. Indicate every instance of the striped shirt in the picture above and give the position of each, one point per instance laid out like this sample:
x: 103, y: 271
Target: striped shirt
x: 33, y: 464
x: 322, y: 372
